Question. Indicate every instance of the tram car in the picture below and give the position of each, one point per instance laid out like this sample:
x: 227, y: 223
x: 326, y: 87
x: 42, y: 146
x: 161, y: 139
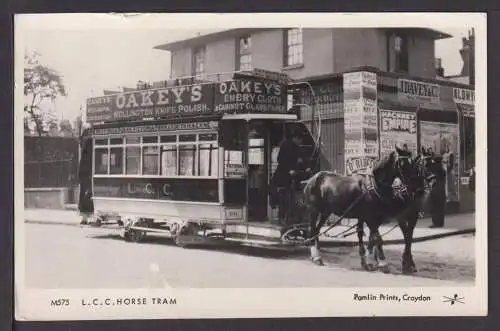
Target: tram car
x: 193, y: 159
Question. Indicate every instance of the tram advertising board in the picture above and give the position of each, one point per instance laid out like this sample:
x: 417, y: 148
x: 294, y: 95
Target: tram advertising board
x: 243, y: 95
x: 235, y: 96
x: 191, y: 99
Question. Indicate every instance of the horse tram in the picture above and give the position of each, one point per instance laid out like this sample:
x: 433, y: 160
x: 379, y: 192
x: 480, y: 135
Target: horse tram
x: 193, y: 160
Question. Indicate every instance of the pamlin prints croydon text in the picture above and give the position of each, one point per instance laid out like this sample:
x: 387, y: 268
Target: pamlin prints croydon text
x: 391, y: 297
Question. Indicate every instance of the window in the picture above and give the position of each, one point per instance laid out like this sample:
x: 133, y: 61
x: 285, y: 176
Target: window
x: 116, y: 160
x: 169, y: 160
x: 209, y: 156
x: 244, y: 54
x: 133, y: 160
x: 150, y: 160
x: 401, y: 51
x: 293, y: 47
x: 199, y: 61
x: 167, y: 155
x: 101, y: 161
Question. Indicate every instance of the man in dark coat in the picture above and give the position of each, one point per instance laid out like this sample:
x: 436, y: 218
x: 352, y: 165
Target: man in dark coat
x: 438, y: 196
x: 85, y: 203
x: 472, y: 179
x: 288, y: 174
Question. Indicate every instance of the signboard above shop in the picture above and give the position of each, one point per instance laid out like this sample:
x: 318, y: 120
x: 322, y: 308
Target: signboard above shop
x: 234, y: 96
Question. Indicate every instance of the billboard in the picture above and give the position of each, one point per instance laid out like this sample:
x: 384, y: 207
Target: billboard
x: 236, y: 96
x: 397, y: 127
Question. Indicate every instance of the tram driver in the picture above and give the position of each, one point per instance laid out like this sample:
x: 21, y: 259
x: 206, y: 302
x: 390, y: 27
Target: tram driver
x: 290, y: 171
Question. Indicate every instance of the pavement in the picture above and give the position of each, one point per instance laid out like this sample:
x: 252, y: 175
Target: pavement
x: 454, y: 225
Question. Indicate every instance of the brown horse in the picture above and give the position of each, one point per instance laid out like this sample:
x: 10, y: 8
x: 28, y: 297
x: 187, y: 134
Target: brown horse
x: 370, y: 199
x: 405, y: 210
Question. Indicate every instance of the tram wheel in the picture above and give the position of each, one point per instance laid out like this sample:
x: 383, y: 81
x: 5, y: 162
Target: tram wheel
x: 136, y: 236
x: 98, y: 221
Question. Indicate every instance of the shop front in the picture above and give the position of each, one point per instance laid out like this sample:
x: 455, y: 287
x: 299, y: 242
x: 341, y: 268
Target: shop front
x: 379, y: 109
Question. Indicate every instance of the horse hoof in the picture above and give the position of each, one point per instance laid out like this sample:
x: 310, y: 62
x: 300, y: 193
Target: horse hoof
x: 370, y: 267
x: 385, y: 269
x: 409, y: 270
x: 318, y: 261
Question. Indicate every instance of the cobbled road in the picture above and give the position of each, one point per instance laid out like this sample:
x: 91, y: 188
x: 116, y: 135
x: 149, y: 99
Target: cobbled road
x: 72, y: 257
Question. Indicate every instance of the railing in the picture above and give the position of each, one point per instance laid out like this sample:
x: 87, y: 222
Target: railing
x: 50, y: 162
x: 196, y: 79
x: 55, y: 173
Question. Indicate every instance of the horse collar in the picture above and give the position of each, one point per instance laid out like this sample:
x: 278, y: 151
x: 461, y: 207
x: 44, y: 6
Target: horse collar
x: 371, y: 186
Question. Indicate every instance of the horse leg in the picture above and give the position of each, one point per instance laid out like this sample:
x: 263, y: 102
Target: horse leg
x: 313, y: 220
x: 370, y: 260
x: 408, y: 264
x: 362, y: 250
x: 379, y: 243
x: 315, y: 255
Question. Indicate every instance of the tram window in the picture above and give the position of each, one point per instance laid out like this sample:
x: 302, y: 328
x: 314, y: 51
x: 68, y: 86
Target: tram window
x: 209, y: 157
x: 101, y: 141
x: 133, y: 140
x: 133, y: 160
x: 150, y: 140
x: 187, y: 160
x: 169, y: 160
x: 101, y: 161
x: 187, y: 137
x: 150, y: 160
x: 116, y: 161
x: 168, y: 139
x: 116, y: 141
x: 207, y: 137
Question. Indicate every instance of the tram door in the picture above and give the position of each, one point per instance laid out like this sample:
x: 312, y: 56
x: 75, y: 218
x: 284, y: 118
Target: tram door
x: 258, y: 151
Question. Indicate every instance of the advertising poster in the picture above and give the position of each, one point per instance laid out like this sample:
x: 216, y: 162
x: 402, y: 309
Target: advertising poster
x: 418, y: 92
x: 193, y: 99
x: 443, y: 139
x: 360, y: 121
x: 397, y: 127
x: 240, y: 96
x: 465, y: 100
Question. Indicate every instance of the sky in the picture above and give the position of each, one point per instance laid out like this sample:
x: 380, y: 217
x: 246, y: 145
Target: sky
x: 91, y: 60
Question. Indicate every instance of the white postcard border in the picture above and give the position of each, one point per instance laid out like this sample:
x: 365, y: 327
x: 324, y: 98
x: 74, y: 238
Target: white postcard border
x: 33, y: 304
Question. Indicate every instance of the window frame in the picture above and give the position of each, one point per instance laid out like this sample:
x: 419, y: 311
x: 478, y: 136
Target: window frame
x: 401, y: 56
x: 159, y: 145
x: 288, y: 44
x: 199, y: 53
x: 244, y: 53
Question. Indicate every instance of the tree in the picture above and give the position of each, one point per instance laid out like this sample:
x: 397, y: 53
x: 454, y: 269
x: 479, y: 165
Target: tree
x: 41, y: 84
x: 65, y: 129
x: 78, y: 126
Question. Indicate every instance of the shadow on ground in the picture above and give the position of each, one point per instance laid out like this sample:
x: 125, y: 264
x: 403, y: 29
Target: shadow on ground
x: 429, y: 264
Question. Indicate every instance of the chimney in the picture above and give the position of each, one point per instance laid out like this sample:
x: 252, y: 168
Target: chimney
x: 439, y: 68
x: 468, y: 57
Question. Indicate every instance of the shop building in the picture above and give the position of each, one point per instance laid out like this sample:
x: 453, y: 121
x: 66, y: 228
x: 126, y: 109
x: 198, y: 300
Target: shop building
x: 372, y: 87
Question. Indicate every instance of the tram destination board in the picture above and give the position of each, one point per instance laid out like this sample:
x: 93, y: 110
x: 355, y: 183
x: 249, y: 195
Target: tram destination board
x: 235, y: 96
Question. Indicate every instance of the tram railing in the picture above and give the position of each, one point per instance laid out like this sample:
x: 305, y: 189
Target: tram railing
x: 197, y: 79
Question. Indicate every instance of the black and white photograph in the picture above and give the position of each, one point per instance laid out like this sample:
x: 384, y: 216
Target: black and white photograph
x: 250, y: 165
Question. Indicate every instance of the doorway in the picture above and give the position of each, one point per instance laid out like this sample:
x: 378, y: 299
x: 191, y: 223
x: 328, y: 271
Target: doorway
x: 257, y: 160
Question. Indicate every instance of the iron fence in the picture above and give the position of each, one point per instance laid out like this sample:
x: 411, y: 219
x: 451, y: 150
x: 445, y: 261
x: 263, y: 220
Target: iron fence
x: 50, y: 162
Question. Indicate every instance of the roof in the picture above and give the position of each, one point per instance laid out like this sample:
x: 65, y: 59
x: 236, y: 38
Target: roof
x: 231, y: 33
x: 206, y: 38
x: 424, y: 33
